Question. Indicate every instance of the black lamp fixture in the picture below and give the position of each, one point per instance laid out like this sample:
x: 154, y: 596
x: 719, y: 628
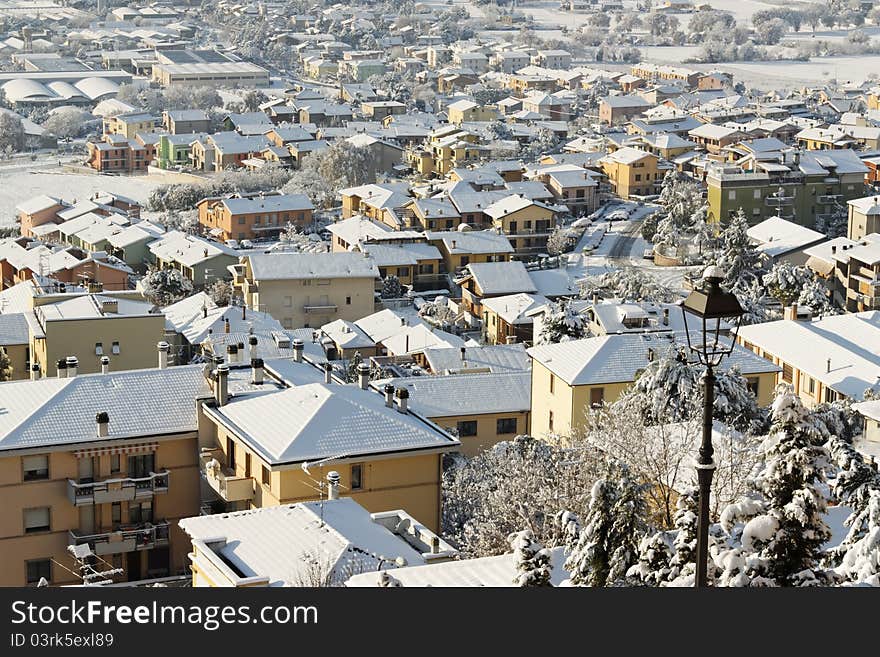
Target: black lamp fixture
x: 716, y: 311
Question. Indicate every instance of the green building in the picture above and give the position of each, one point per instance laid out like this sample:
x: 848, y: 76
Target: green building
x: 798, y: 186
x: 174, y: 150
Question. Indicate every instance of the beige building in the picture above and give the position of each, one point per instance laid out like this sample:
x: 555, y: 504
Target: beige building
x: 79, y: 468
x: 308, y: 289
x: 864, y: 217
x: 569, y: 378
x: 88, y: 327
x: 632, y: 172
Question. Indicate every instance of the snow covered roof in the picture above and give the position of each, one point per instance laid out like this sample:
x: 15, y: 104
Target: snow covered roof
x: 141, y: 403
x: 400, y: 254
x: 617, y: 358
x: 347, y: 335
x: 870, y: 409
x: 554, y: 282
x: 512, y: 308
x: 93, y: 305
x: 850, y: 341
x: 271, y: 203
x: 280, y: 542
x: 415, y: 339
x: 494, y: 358
x: 472, y: 241
x: 498, y: 571
x: 777, y: 237
x: 198, y: 315
x: 325, y: 421
x: 466, y: 394
x: 13, y: 329
x: 187, y: 249
x: 290, y: 266
x: 385, y: 323
x: 498, y: 278
x: 37, y: 204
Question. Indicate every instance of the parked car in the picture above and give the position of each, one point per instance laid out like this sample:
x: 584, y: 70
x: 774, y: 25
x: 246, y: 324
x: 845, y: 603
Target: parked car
x: 648, y: 254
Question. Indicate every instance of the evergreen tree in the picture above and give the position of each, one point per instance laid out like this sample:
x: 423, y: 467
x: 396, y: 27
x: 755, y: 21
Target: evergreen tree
x: 5, y: 366
x: 785, y: 282
x: 684, y: 559
x: 861, y: 561
x: 351, y: 372
x: 653, y: 567
x: 531, y: 558
x: 391, y: 288
x: 741, y: 262
x: 562, y: 323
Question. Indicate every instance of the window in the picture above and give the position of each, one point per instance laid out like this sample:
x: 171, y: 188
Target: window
x: 467, y: 428
x: 99, y: 349
x: 115, y: 348
x: 787, y: 373
x: 757, y: 193
x: 638, y: 177
x: 37, y: 570
x: 35, y: 467
x: 116, y: 513
x: 114, y: 463
x: 752, y: 384
x: 347, y: 301
x: 731, y: 195
x: 140, y: 513
x: 36, y: 520
x: 230, y: 453
x: 323, y: 281
x: 403, y: 271
x: 266, y: 476
x: 811, y: 385
x: 552, y: 384
x: 141, y: 465
x: 505, y: 425
x: 357, y: 476
x: 550, y: 421
x: 597, y: 396
x: 307, y: 281
x: 241, y: 221
x: 288, y: 301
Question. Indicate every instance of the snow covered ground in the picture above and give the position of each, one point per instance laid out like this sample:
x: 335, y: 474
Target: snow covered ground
x: 20, y: 185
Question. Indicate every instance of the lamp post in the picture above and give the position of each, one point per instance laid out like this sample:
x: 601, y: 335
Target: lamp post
x: 716, y: 311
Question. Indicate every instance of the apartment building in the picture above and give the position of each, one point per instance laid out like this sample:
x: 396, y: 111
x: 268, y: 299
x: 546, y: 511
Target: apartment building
x: 179, y: 122
x: 119, y: 154
x: 492, y: 279
x: 835, y: 357
x: 201, y: 261
x: 254, y: 216
x: 129, y: 124
x: 633, y: 172
x: 526, y: 223
x: 105, y: 464
x: 569, y: 378
x: 308, y: 289
x: 461, y: 248
x: 863, y: 218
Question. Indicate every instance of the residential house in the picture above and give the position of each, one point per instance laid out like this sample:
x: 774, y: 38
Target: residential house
x: 254, y: 216
x: 633, y: 172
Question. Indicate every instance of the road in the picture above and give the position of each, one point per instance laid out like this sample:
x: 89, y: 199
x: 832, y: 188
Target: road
x: 626, y: 240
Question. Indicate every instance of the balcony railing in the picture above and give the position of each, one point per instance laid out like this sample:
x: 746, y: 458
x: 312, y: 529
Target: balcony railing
x: 117, y: 490
x: 145, y: 536
x: 319, y: 308
x: 223, y: 480
x: 827, y: 198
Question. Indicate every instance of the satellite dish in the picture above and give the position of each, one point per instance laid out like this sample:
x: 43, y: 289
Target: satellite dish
x: 403, y: 526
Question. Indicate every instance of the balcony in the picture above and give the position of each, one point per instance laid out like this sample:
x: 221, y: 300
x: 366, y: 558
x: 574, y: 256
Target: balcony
x: 145, y: 536
x: 320, y: 308
x: 223, y: 480
x: 127, y: 489
x: 827, y: 199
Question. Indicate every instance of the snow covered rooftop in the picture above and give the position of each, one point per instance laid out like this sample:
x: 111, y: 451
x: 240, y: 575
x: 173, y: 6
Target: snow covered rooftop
x: 325, y: 421
x: 347, y: 335
x: 466, y: 394
x: 498, y: 278
x: 617, y: 358
x: 198, y: 315
x: 494, y: 358
x: 776, y: 236
x: 851, y: 342
x: 140, y: 403
x: 512, y: 308
x: 386, y: 323
x: 290, y: 266
x: 415, y: 339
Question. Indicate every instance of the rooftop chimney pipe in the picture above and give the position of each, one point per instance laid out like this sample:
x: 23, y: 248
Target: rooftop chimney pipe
x: 402, y: 395
x: 163, y: 348
x: 328, y: 373
x: 257, y: 371
x: 105, y: 364
x: 298, y: 350
x: 363, y: 371
x: 389, y: 395
x: 222, y: 390
x: 232, y: 354
x: 62, y: 368
x: 35, y: 372
x: 102, y: 419
x: 333, y: 485
x: 252, y: 347
x: 72, y: 364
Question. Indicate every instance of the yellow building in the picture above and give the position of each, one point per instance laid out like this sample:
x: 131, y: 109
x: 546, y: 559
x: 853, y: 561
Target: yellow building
x: 87, y: 327
x: 79, y: 468
x: 632, y: 172
x: 526, y: 223
x: 130, y: 124
x: 15, y: 343
x: 481, y: 409
x: 507, y: 319
x: 492, y: 279
x: 413, y: 264
x: 446, y: 148
x: 864, y: 217
x: 308, y: 289
x: 271, y: 449
x: 835, y: 357
x: 459, y: 249
x: 462, y: 111
x: 571, y: 377
x: 374, y: 201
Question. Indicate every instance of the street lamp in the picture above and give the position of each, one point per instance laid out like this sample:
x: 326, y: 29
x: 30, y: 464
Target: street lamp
x: 716, y: 311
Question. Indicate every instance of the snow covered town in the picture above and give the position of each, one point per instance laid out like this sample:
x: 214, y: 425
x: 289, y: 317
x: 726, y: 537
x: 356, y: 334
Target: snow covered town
x: 453, y: 294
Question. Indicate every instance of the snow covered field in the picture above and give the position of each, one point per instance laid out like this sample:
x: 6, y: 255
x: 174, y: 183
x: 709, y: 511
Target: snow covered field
x: 18, y: 186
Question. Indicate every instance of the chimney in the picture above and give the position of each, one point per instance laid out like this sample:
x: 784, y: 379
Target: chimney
x: 363, y: 371
x: 402, y: 395
x: 435, y: 545
x: 328, y: 373
x: 62, y: 368
x: 72, y: 363
x: 791, y: 312
x: 102, y: 419
x: 298, y: 350
x: 463, y: 351
x: 226, y: 325
x: 453, y: 244
x: 828, y: 366
x: 595, y: 298
x: 243, y: 312
x: 105, y: 364
x: 232, y: 354
x: 252, y: 347
x: 833, y: 248
x: 204, y: 311
x: 650, y: 354
x: 35, y: 372
x: 333, y: 485
x: 163, y: 348
x: 221, y: 392
x: 389, y: 395
x: 257, y: 371
x: 666, y: 317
